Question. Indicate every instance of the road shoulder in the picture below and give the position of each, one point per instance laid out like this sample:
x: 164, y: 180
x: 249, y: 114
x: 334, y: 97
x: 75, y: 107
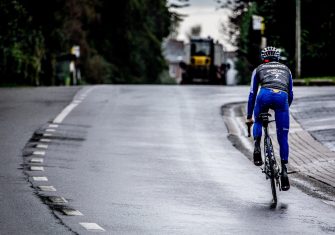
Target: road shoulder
x: 311, y: 164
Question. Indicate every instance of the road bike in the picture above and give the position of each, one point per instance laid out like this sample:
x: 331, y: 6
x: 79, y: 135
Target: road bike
x: 271, y: 166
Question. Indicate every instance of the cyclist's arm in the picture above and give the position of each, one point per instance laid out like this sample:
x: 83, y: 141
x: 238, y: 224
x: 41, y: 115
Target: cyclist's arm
x: 290, y: 90
x: 253, y: 93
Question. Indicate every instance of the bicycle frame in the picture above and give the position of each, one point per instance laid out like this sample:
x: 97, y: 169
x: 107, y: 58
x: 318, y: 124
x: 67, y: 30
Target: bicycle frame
x: 271, y: 167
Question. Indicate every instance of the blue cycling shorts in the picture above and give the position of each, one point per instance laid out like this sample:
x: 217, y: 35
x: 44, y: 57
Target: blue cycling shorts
x: 276, y: 100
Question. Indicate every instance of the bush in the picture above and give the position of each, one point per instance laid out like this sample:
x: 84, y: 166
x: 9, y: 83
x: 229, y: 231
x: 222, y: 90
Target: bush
x: 99, y: 71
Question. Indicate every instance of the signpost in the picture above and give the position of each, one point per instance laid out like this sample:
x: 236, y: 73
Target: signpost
x: 297, y: 40
x: 258, y: 24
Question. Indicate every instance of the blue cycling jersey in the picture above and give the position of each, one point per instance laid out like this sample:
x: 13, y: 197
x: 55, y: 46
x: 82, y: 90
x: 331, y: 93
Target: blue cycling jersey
x: 273, y: 75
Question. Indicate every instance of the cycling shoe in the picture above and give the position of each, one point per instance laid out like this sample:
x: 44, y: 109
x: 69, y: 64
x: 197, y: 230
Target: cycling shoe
x: 285, y: 183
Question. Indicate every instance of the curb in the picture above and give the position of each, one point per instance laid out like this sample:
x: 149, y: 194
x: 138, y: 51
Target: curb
x: 308, y: 157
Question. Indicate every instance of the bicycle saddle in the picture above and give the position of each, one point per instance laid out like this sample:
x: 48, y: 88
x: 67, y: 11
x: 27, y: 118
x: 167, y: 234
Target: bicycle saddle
x: 264, y: 116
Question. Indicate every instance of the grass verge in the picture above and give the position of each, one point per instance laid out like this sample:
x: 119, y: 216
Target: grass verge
x: 315, y: 81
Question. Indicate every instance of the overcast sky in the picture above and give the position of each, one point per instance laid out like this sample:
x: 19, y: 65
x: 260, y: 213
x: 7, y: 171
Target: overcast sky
x: 206, y: 14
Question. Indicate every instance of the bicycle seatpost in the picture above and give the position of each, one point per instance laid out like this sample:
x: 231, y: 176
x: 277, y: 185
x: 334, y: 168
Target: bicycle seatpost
x: 265, y: 118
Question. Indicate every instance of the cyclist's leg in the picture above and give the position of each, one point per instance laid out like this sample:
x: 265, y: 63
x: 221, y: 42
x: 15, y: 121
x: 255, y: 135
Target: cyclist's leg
x: 260, y: 107
x: 282, y: 134
x: 257, y: 130
x: 283, y: 124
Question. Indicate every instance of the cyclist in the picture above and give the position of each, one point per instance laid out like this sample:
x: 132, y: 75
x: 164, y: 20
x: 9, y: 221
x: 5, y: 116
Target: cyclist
x: 275, y: 80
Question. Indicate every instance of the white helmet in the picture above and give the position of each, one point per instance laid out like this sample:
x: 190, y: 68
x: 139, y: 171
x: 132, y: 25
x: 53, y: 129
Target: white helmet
x: 270, y: 53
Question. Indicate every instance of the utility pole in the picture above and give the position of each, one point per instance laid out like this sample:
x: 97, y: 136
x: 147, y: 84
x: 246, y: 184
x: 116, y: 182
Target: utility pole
x: 297, y: 40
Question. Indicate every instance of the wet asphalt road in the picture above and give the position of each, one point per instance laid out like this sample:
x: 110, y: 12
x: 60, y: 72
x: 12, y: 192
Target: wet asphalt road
x: 147, y: 160
x: 22, y: 111
x: 317, y: 116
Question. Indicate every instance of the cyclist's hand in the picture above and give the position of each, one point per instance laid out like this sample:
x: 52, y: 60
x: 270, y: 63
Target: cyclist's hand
x: 249, y: 121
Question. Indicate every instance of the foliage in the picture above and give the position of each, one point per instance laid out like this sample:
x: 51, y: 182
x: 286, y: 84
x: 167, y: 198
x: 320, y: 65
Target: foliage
x: 317, y: 33
x: 176, y: 17
x: 21, y: 46
x: 166, y: 79
x: 195, y: 31
x: 120, y: 43
x: 315, y: 81
x: 99, y: 70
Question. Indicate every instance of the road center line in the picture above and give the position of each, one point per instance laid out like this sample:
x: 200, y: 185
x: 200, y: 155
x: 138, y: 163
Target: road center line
x: 60, y: 118
x: 64, y: 113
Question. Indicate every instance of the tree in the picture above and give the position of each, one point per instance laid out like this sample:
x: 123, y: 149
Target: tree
x: 279, y: 15
x: 130, y: 37
x: 175, y: 17
x: 121, y: 40
x: 195, y: 31
x: 21, y: 46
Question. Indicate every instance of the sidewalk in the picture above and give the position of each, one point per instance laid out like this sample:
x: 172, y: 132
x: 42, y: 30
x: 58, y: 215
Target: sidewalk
x: 308, y: 156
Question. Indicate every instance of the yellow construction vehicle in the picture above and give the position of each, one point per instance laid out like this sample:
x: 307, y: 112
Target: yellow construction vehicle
x: 204, y: 62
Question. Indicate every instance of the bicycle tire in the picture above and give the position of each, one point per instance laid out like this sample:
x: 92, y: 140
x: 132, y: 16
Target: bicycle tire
x: 269, y: 153
x: 273, y: 187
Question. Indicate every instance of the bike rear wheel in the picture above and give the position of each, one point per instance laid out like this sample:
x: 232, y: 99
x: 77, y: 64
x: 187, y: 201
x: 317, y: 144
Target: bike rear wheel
x: 273, y: 187
x: 270, y: 155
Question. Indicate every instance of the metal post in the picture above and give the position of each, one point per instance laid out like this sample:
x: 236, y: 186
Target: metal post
x: 297, y: 40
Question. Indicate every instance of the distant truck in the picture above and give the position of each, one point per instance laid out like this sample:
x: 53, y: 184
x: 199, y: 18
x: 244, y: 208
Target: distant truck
x: 204, y: 62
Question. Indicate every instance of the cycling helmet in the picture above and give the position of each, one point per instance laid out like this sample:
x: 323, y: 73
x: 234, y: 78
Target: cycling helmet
x: 270, y: 53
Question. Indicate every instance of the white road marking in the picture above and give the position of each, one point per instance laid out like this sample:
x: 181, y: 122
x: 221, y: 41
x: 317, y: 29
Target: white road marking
x: 47, y: 135
x: 57, y: 200
x: 64, y: 113
x: 71, y: 212
x: 36, y: 160
x: 42, y: 146
x: 92, y: 226
x: 40, y: 178
x: 37, y: 168
x: 53, y: 126
x: 77, y: 100
x: 47, y: 188
x: 50, y: 130
x: 40, y: 153
x: 45, y: 140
